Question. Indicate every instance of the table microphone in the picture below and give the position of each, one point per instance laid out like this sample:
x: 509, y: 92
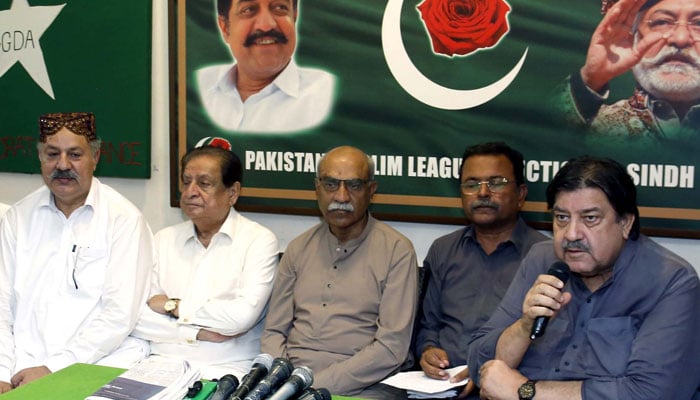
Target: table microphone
x: 224, y: 387
x: 261, y: 365
x: 279, y: 371
x: 315, y: 394
x: 301, y: 378
x: 560, y: 270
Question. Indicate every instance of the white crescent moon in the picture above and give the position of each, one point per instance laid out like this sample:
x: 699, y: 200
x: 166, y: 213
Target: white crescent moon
x: 417, y: 84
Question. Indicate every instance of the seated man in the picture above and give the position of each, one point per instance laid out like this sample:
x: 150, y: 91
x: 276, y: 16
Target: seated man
x: 214, y: 274
x: 624, y: 325
x: 344, y: 298
x: 470, y: 269
x: 75, y: 263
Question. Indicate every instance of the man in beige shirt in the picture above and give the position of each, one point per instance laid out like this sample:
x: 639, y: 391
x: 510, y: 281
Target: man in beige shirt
x: 344, y: 299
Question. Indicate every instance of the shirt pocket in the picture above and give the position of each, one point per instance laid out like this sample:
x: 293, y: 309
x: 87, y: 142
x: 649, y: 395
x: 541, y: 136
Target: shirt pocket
x: 611, y: 342
x: 90, y: 267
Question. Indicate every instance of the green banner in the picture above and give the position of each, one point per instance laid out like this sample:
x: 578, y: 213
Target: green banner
x: 409, y: 92
x: 77, y: 55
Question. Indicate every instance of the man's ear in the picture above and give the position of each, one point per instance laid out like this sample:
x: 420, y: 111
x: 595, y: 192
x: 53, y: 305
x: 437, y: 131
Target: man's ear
x: 223, y: 25
x: 373, y: 188
x: 522, y: 195
x: 626, y: 222
x: 234, y: 193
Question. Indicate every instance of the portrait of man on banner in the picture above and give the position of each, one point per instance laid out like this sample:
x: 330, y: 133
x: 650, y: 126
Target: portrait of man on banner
x: 659, y: 41
x: 264, y: 90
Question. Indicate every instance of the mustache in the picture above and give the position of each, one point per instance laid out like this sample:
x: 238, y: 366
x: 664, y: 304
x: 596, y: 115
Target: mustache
x: 337, y: 206
x: 484, y: 203
x: 669, y: 53
x: 575, y: 245
x: 259, y: 34
x: 64, y: 174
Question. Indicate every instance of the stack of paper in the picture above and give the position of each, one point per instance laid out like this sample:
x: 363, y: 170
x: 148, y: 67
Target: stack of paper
x: 154, y: 378
x: 419, y: 386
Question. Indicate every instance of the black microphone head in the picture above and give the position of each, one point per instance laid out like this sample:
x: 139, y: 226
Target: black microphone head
x: 315, y: 394
x: 229, y: 379
x: 560, y: 269
x: 224, y: 387
x: 281, y: 367
x: 324, y: 393
x: 263, y: 360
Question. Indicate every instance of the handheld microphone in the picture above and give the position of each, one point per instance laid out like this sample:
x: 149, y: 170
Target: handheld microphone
x: 261, y: 364
x: 280, y: 370
x: 224, y: 387
x: 301, y: 378
x: 560, y: 270
x: 315, y: 394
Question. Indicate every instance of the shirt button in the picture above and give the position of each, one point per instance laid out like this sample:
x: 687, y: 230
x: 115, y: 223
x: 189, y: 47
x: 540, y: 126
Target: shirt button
x: 186, y: 321
x: 329, y: 285
x: 335, y: 267
x: 566, y: 363
x: 190, y: 341
x: 575, y: 347
x: 324, y: 304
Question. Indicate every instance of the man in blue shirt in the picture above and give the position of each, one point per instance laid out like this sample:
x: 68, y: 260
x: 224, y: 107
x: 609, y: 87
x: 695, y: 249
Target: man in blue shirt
x: 468, y: 271
x: 624, y: 325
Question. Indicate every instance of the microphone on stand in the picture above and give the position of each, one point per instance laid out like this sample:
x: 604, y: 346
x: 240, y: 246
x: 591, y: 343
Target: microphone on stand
x: 224, y: 387
x: 301, y: 378
x: 560, y: 270
x: 261, y: 365
x: 279, y: 371
x: 315, y: 394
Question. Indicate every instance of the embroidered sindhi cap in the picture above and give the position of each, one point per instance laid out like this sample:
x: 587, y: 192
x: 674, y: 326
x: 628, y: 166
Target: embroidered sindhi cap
x: 80, y: 123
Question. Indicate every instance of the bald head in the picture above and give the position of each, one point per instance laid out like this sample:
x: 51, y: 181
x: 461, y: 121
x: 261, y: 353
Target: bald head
x: 349, y: 154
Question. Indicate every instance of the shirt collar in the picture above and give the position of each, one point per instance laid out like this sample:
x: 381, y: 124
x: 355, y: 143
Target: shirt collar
x: 517, y: 237
x: 288, y: 81
x: 227, y: 229
x: 49, y: 201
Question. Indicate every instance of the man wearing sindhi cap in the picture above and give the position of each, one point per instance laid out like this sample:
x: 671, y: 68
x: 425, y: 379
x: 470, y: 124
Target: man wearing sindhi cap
x: 75, y: 261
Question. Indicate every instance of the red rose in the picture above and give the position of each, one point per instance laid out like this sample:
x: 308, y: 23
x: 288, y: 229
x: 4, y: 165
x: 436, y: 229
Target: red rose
x: 458, y: 27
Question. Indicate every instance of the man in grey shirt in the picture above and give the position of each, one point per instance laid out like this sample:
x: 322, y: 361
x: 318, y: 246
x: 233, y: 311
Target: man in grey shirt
x: 469, y: 270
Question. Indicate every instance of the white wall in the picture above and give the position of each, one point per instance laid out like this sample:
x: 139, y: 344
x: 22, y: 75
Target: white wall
x: 152, y: 196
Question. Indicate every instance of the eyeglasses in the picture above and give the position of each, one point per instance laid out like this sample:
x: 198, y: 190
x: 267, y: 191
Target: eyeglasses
x: 495, y: 185
x: 332, y: 184
x: 666, y: 24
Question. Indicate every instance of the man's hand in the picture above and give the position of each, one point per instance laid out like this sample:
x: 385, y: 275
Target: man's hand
x: 206, y: 335
x: 499, y: 381
x: 433, y: 362
x: 5, y: 387
x: 157, y: 303
x: 544, y: 298
x: 613, y: 50
x: 28, y: 375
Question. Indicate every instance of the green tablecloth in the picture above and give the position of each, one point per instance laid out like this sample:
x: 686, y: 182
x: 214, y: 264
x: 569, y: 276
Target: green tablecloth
x: 74, y: 383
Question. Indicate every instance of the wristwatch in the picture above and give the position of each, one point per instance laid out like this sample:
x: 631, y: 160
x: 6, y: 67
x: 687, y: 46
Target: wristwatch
x: 526, y: 391
x: 171, y: 305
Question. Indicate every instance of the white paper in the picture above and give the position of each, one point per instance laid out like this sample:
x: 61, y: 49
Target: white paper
x: 419, y: 385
